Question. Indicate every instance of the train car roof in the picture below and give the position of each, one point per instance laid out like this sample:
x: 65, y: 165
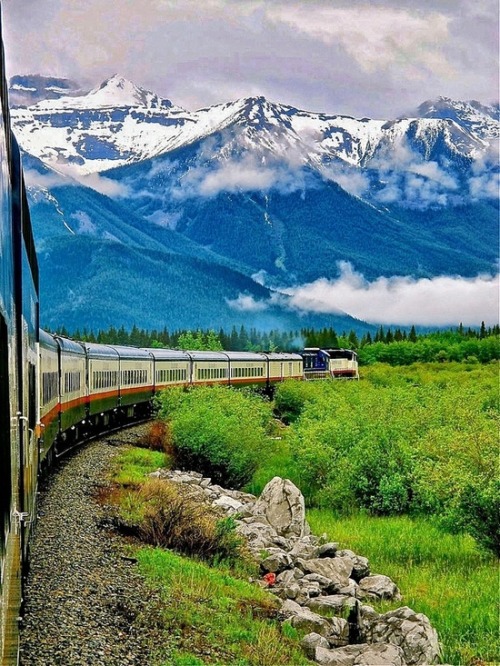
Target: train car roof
x: 95, y: 350
x: 47, y: 340
x: 70, y: 346
x: 283, y: 356
x: 132, y: 353
x: 208, y: 356
x: 245, y: 356
x: 162, y: 354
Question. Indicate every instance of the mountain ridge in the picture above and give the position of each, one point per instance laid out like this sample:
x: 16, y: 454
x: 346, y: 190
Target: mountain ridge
x: 248, y: 195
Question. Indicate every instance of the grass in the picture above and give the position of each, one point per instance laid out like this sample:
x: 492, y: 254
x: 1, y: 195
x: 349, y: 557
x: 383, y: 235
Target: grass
x: 133, y: 464
x: 444, y: 576
x: 207, y: 614
x: 210, y: 617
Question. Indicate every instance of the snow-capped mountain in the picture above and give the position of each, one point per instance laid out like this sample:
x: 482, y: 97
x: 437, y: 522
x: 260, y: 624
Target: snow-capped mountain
x: 118, y: 123
x: 247, y: 188
x: 480, y: 119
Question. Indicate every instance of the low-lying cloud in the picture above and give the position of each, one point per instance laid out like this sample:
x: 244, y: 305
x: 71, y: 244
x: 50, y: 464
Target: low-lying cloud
x: 248, y: 173
x: 438, y: 301
x: 247, y: 303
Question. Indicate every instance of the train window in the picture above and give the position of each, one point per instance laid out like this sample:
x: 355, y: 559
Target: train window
x: 50, y: 387
x: 72, y: 382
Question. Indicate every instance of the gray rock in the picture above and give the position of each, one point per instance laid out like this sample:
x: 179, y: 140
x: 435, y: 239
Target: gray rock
x: 228, y: 504
x: 351, y: 589
x: 336, y: 569
x: 411, y: 631
x: 258, y: 535
x: 361, y: 566
x: 323, y: 582
x: 276, y: 562
x: 332, y: 604
x: 289, y: 608
x: 303, y: 549
x: 282, y: 504
x: 377, y: 587
x: 307, y: 621
x: 328, y: 549
x: 312, y: 641
x: 360, y: 655
x: 285, y: 578
x: 291, y: 591
x: 339, y: 634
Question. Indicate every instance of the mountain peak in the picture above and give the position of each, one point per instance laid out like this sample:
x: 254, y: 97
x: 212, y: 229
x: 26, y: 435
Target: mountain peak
x: 117, y: 91
x: 479, y: 118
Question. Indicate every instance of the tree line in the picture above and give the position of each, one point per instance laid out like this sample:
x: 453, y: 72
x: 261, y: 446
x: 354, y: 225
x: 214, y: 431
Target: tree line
x: 394, y: 346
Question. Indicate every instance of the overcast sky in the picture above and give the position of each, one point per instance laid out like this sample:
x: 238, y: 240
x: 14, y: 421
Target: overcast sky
x: 379, y: 59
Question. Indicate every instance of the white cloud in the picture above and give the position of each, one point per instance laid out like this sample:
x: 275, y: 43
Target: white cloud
x: 358, y: 57
x: 46, y: 181
x: 374, y: 36
x: 444, y: 300
x: 166, y: 220
x: 246, y: 174
x: 107, y: 186
x: 247, y: 303
x: 351, y: 180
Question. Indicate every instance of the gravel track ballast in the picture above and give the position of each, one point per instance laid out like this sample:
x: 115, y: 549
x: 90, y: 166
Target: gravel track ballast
x: 85, y: 603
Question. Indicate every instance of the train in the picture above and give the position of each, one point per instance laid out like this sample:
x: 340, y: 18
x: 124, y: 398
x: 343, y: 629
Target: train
x: 88, y: 388
x: 56, y: 392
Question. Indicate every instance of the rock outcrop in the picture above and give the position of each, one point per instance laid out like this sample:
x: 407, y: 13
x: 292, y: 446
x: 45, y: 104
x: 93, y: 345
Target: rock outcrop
x: 322, y: 588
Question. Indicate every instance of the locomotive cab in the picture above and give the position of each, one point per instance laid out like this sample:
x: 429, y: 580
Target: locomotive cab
x: 333, y: 363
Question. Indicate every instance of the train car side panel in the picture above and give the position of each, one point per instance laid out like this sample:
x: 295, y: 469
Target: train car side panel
x: 73, y: 369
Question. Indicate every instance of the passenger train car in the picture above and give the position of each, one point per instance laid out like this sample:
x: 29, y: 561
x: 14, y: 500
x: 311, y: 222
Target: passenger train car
x: 89, y: 388
x: 18, y: 378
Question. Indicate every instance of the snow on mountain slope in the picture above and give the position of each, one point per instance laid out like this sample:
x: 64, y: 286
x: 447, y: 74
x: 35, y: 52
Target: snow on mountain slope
x: 481, y: 119
x: 118, y: 123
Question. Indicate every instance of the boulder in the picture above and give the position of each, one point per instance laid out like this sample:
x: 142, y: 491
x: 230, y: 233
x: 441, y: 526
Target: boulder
x: 361, y: 655
x: 336, y: 569
x: 377, y: 587
x: 282, y: 504
x: 411, y: 631
x: 306, y: 620
x: 289, y: 608
x: 276, y: 562
x: 339, y: 634
x: 361, y: 566
x: 312, y: 641
x: 258, y: 535
x: 303, y: 549
x: 334, y: 604
x: 328, y: 549
x: 228, y: 504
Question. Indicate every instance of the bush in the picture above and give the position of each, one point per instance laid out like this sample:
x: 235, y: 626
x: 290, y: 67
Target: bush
x: 477, y: 513
x: 420, y: 440
x: 217, y: 431
x: 164, y: 515
x: 156, y: 438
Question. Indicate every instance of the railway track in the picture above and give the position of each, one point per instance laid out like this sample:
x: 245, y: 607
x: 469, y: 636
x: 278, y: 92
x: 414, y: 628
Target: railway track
x: 84, y: 601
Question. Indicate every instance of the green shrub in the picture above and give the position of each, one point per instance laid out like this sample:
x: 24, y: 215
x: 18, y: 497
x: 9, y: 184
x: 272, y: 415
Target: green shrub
x: 217, y: 431
x: 163, y: 514
x: 290, y: 398
x: 478, y: 513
